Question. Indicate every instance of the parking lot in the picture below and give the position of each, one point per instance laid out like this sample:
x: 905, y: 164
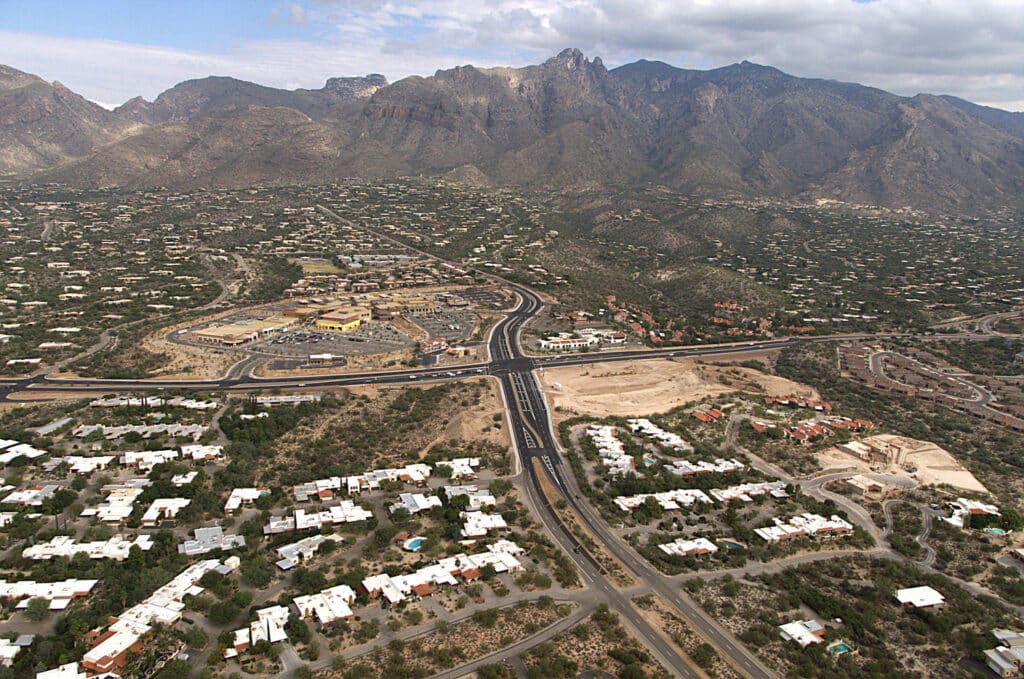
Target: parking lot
x: 372, y: 338
x: 451, y: 325
x: 485, y: 298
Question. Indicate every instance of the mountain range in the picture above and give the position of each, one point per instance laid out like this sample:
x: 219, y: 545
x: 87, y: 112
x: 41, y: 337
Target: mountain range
x: 744, y: 130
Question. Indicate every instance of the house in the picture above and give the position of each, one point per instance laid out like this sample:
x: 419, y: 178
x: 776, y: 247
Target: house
x: 920, y: 597
x: 478, y: 524
x: 268, y: 626
x: 803, y: 632
x: 1007, y: 659
x: 813, y: 525
x: 163, y: 508
x: 329, y: 605
x: 414, y: 503
x: 202, y: 453
x: 684, y: 547
x: 210, y: 539
x: 297, y: 552
x: 243, y: 496
x: 965, y: 510
x: 67, y: 671
x: 33, y: 496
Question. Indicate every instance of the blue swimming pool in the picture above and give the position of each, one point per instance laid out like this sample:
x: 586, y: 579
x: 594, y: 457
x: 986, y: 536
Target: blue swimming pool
x: 732, y: 544
x: 412, y: 544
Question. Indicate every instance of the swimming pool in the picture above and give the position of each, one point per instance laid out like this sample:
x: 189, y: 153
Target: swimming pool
x: 839, y: 649
x: 732, y: 544
x: 412, y: 544
x: 648, y: 460
x: 995, y: 531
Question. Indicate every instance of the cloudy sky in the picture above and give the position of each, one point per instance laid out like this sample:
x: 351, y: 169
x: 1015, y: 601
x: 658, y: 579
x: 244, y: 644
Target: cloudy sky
x: 114, y: 50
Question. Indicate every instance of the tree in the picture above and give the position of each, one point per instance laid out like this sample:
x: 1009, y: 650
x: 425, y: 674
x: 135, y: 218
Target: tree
x: 704, y: 655
x: 38, y: 609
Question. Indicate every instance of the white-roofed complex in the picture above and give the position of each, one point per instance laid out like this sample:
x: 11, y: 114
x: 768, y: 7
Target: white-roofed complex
x: 477, y: 498
x: 58, y: 594
x: 805, y: 525
x: 665, y: 438
x: 748, y: 491
x: 669, y: 500
x: 129, y: 630
x: 147, y: 459
x: 202, y: 453
x: 210, y: 539
x: 115, y: 548
x: 719, y: 466
x: 324, y: 489
x: 461, y: 467
x: 346, y: 512
x: 164, y: 508
x: 612, y: 452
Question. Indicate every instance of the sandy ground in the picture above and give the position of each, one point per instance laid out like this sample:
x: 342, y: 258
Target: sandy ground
x: 188, y: 362
x: 465, y: 423
x: 468, y: 423
x: 934, y: 465
x: 653, y: 386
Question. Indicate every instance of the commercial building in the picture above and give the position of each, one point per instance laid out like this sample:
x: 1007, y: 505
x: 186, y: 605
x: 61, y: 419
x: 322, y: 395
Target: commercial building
x: 344, y: 319
x: 240, y: 332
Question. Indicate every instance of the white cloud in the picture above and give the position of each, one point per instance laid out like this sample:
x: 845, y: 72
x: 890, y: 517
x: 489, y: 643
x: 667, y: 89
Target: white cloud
x: 970, y: 49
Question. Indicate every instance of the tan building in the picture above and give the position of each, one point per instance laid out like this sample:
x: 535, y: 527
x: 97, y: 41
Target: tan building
x: 242, y: 332
x: 344, y: 319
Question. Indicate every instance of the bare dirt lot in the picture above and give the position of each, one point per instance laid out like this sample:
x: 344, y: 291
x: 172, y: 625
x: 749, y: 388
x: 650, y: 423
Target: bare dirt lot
x: 935, y: 466
x: 653, y: 386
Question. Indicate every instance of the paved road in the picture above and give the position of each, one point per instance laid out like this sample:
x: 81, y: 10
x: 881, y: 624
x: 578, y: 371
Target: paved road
x: 922, y: 538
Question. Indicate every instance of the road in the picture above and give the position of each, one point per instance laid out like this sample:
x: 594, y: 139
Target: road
x: 922, y: 538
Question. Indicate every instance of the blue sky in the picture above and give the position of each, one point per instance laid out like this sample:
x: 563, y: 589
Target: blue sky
x: 111, y: 51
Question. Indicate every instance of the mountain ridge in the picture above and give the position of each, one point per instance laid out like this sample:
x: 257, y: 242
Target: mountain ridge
x: 741, y: 130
